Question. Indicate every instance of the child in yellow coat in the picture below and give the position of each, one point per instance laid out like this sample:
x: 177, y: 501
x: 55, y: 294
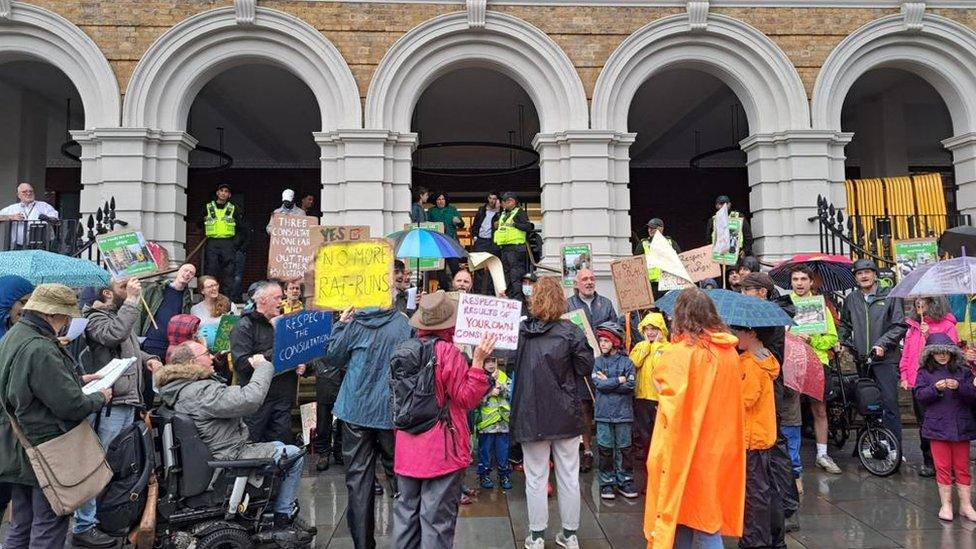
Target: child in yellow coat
x: 645, y: 356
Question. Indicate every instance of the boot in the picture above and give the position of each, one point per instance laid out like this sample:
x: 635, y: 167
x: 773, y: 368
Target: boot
x: 945, y: 496
x: 965, y: 503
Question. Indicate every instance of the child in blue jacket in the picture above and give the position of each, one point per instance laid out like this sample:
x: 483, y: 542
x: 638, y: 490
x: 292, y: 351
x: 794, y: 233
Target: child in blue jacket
x: 614, y: 379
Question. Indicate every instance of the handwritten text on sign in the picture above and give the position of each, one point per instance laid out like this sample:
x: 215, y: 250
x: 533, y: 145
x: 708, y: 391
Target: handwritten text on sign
x: 479, y: 315
x: 291, y: 248
x: 354, y: 274
x: 630, y: 281
x: 700, y: 264
x: 300, y: 337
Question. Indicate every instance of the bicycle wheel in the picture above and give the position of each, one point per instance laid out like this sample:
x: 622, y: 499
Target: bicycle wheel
x: 879, y: 451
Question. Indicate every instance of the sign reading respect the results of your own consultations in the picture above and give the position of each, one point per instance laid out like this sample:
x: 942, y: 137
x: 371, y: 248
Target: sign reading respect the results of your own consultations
x: 300, y: 337
x: 353, y: 274
x: 480, y: 315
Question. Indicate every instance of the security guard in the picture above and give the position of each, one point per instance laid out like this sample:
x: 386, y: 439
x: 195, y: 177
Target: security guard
x: 510, y: 236
x: 226, y: 230
x: 654, y: 226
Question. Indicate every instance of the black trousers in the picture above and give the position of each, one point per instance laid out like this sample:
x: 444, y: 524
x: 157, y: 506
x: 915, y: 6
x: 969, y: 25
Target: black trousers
x: 271, y: 422
x: 924, y: 442
x: 887, y: 376
x: 326, y: 440
x: 425, y: 514
x: 218, y: 262
x: 764, y: 520
x: 781, y: 471
x: 360, y: 448
x: 515, y: 262
x: 644, y: 413
x: 482, y: 278
x: 33, y: 522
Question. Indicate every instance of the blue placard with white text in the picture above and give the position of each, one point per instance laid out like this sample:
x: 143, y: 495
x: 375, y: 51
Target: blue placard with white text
x: 300, y: 337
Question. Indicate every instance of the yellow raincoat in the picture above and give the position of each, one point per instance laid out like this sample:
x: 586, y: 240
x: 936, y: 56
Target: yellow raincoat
x: 647, y: 354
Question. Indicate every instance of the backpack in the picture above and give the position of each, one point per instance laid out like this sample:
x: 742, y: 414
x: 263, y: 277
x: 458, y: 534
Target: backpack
x: 132, y: 461
x: 412, y: 387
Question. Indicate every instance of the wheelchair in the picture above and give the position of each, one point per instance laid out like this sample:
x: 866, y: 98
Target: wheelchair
x: 209, y: 504
x: 854, y: 405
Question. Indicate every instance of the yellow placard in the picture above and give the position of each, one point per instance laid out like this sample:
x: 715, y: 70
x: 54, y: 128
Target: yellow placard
x: 354, y: 274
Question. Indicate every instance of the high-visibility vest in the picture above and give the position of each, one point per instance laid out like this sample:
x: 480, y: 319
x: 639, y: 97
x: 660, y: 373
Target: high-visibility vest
x: 506, y: 232
x: 219, y: 222
x: 494, y: 409
x: 653, y: 273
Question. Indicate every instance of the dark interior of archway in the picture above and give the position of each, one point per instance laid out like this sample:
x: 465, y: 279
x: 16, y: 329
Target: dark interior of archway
x: 483, y: 105
x: 679, y: 115
x: 899, y: 121
x: 38, y: 105
x: 262, y: 117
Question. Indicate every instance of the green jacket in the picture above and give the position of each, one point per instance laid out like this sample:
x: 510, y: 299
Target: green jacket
x: 822, y: 343
x: 446, y: 216
x: 153, y: 293
x: 39, y: 385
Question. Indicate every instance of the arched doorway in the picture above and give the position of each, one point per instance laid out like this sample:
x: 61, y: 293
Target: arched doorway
x: 686, y: 153
x: 261, y: 118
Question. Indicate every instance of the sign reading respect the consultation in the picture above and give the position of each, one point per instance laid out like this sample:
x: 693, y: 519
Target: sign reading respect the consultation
x: 353, y: 274
x: 480, y: 315
x: 300, y: 337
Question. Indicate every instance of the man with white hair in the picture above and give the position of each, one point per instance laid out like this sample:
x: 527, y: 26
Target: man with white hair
x: 26, y: 209
x: 254, y: 335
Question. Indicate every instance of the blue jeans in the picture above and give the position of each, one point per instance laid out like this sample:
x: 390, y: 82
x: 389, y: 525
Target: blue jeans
x: 288, y: 490
x: 689, y: 538
x: 792, y: 434
x: 112, y: 421
x: 493, y: 445
x: 616, y: 461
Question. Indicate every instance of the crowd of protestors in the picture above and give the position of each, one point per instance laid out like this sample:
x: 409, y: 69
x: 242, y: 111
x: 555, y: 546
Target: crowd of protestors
x: 685, y: 408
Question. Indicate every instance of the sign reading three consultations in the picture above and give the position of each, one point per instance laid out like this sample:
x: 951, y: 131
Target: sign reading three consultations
x: 354, y: 274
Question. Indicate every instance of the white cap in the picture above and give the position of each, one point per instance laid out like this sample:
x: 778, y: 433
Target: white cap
x: 288, y: 195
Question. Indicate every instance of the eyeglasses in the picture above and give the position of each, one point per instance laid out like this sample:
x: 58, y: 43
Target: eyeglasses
x: 205, y: 353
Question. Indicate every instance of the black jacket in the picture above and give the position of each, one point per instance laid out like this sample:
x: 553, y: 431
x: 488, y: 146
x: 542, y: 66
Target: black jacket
x: 479, y: 218
x: 521, y: 221
x: 878, y: 321
x: 746, y: 234
x: 552, y: 357
x: 254, y: 335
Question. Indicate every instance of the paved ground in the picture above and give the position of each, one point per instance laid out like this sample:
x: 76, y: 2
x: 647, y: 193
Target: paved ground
x: 853, y: 510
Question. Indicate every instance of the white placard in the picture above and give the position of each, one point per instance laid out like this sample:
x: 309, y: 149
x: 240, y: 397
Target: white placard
x: 479, y: 315
x: 110, y: 374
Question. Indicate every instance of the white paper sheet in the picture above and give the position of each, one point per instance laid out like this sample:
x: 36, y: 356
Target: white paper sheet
x: 76, y: 327
x: 110, y: 374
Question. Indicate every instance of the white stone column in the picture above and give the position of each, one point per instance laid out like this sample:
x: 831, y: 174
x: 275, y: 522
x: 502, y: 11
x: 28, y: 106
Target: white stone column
x: 585, y: 196
x: 366, y: 178
x: 963, y: 149
x: 787, y: 172
x: 145, y: 171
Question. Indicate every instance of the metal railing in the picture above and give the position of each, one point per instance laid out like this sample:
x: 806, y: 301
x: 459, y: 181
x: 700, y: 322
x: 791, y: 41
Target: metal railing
x: 73, y: 237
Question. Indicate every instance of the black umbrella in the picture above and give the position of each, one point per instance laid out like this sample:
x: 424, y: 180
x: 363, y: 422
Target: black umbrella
x: 954, y: 240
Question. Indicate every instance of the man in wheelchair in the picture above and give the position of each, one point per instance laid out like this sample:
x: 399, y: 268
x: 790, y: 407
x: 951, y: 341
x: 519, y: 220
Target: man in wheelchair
x: 187, y: 387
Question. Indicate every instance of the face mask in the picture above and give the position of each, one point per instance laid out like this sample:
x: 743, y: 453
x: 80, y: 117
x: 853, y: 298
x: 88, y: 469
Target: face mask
x: 287, y: 204
x: 526, y: 290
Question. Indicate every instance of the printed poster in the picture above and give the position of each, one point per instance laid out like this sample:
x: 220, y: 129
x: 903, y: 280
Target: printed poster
x: 912, y: 254
x: 725, y: 238
x: 126, y: 254
x: 222, y: 339
x: 354, y: 274
x: 578, y: 317
x: 811, y: 315
x: 575, y: 257
x: 480, y: 315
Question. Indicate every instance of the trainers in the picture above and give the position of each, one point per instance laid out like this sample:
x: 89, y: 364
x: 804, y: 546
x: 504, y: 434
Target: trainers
x: 323, y: 463
x: 569, y: 543
x: 505, y: 483
x: 93, y: 537
x: 486, y: 483
x: 534, y: 543
x: 826, y: 463
x: 377, y: 488
x: 628, y: 490
x: 586, y: 464
x: 606, y: 492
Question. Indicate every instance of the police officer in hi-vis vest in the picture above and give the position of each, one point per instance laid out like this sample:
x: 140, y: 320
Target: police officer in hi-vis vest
x: 510, y: 236
x: 226, y: 230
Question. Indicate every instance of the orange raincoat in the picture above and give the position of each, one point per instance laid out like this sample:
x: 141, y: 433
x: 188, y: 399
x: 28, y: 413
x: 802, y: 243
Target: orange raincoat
x: 696, y: 468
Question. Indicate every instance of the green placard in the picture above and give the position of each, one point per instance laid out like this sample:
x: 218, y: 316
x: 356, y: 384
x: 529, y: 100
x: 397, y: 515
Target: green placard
x: 429, y: 264
x: 811, y: 315
x: 735, y: 230
x: 574, y: 258
x: 126, y: 254
x: 222, y: 339
x: 912, y: 254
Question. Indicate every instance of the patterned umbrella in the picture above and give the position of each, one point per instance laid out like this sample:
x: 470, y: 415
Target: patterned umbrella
x: 951, y: 277
x: 833, y: 270
x: 419, y: 243
x: 802, y: 370
x: 736, y: 309
x: 42, y: 267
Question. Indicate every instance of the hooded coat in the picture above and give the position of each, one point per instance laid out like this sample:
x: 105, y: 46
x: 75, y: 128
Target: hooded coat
x: 363, y: 347
x: 111, y: 334
x: 948, y: 414
x: 614, y: 400
x: 915, y: 342
x: 758, y: 374
x: 696, y: 467
x: 12, y: 289
x: 551, y: 359
x: 217, y: 409
x: 647, y: 354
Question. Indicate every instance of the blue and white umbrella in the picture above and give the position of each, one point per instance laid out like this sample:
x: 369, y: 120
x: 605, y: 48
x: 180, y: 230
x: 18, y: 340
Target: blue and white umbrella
x: 736, y: 309
x: 43, y: 267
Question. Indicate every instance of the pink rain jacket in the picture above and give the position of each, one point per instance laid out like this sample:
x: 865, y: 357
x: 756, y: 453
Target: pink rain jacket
x: 915, y: 342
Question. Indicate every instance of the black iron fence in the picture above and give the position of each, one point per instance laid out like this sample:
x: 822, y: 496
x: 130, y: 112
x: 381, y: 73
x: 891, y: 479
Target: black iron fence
x: 75, y: 237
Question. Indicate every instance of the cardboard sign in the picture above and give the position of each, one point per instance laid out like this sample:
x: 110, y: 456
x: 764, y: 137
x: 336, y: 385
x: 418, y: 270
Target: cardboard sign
x: 480, y: 315
x: 422, y: 264
x: 291, y: 248
x: 126, y: 254
x: 912, y: 254
x: 631, y: 283
x: 578, y: 317
x: 354, y: 274
x: 300, y: 337
x: 575, y: 257
x: 309, y: 412
x: 224, y: 327
x: 699, y: 264
x: 327, y: 234
x: 811, y: 315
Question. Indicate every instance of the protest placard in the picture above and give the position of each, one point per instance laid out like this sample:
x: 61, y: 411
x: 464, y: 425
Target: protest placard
x: 353, y: 274
x: 300, y: 337
x: 811, y: 315
x: 912, y: 254
x: 726, y: 230
x: 578, y: 317
x: 327, y: 234
x: 631, y: 283
x: 480, y: 315
x: 575, y: 257
x: 126, y: 254
x: 661, y: 257
x: 425, y: 264
x: 699, y: 264
x: 308, y: 412
x: 291, y: 249
x: 222, y: 339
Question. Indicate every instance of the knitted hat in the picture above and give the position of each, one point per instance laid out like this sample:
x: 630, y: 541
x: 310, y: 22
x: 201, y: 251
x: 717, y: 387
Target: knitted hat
x: 614, y: 338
